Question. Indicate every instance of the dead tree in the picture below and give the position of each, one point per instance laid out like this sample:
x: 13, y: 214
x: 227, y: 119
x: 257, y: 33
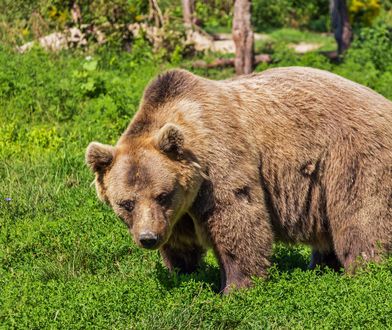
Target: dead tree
x: 243, y: 37
x: 76, y: 14
x: 156, y: 13
x: 188, y: 10
x: 341, y: 25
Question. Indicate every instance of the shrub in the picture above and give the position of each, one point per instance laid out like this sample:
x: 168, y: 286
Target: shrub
x: 373, y: 45
x: 363, y: 12
x: 21, y: 21
x: 214, y: 14
x: 290, y: 13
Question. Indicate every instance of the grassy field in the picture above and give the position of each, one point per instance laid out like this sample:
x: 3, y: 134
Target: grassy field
x: 287, y: 36
x: 67, y: 262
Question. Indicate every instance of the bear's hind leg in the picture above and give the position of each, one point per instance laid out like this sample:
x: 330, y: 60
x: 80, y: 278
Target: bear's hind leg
x: 182, y: 252
x: 354, y: 247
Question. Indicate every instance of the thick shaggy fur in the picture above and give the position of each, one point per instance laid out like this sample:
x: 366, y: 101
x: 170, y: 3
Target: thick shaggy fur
x: 293, y: 154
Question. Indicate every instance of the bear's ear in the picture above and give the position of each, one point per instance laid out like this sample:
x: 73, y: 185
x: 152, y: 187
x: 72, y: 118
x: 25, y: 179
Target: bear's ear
x: 170, y: 140
x: 99, y: 156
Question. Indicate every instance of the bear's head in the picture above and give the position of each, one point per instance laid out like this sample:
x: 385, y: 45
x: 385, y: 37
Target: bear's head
x: 149, y: 182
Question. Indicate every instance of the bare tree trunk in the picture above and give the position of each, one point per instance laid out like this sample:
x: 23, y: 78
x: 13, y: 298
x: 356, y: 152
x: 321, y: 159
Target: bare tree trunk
x: 156, y: 13
x: 76, y: 14
x: 188, y: 9
x: 341, y: 25
x: 243, y: 37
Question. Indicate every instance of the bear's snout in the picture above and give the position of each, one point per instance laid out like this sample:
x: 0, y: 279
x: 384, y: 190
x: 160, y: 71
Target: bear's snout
x: 148, y: 240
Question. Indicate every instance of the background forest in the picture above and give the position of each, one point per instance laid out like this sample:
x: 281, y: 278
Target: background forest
x: 74, y: 71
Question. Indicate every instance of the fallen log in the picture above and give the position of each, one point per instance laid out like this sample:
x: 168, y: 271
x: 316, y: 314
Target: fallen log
x: 227, y: 62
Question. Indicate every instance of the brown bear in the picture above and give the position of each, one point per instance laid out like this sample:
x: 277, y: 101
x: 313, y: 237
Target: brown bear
x: 293, y: 154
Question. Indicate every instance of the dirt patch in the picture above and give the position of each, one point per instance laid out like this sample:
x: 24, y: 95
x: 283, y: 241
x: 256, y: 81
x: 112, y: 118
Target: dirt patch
x: 223, y: 43
x: 304, y: 47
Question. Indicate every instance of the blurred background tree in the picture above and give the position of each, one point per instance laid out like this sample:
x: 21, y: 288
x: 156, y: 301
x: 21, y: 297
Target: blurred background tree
x: 163, y: 24
x: 341, y: 25
x: 243, y: 37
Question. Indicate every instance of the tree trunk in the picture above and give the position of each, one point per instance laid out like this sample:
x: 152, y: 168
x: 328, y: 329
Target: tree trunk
x: 188, y: 9
x: 156, y: 13
x: 243, y: 37
x: 341, y: 25
x: 76, y: 14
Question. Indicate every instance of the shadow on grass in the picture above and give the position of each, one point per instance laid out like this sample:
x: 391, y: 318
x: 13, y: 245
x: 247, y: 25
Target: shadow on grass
x: 287, y: 259
x: 206, y: 274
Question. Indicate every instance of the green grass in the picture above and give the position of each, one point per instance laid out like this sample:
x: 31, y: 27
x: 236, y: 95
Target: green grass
x: 289, y: 35
x: 67, y: 262
x: 293, y: 36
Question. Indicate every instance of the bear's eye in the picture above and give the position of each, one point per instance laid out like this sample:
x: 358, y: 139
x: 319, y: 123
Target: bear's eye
x: 127, y: 205
x: 163, y: 199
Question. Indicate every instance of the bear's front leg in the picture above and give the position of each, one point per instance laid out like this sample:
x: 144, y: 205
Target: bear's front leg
x: 182, y: 252
x: 242, y: 240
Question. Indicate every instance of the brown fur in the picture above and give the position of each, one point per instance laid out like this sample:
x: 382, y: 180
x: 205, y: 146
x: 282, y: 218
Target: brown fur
x: 292, y: 154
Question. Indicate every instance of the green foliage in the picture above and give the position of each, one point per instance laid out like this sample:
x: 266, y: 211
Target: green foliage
x: 369, y: 60
x: 173, y: 46
x: 287, y: 57
x: 363, y: 12
x: 290, y: 13
x: 373, y: 45
x: 22, y: 20
x: 100, y: 89
x: 215, y: 14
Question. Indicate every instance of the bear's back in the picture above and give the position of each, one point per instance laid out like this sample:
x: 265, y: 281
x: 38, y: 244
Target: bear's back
x: 284, y: 103
x: 294, y: 102
x: 303, y: 84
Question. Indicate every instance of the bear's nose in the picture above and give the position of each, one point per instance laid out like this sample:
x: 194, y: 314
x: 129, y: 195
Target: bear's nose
x: 148, y: 239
